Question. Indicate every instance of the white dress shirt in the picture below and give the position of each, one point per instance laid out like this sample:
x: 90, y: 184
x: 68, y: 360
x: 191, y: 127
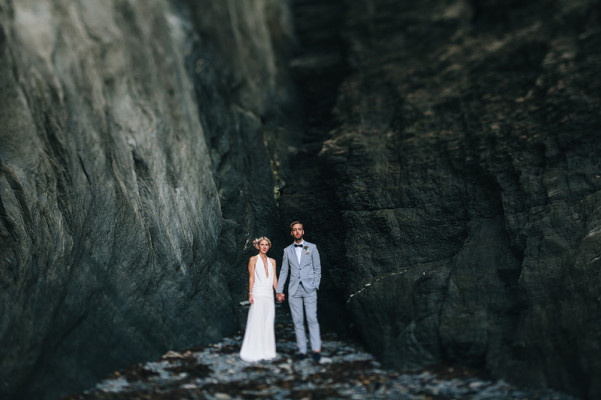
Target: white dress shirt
x: 299, y: 250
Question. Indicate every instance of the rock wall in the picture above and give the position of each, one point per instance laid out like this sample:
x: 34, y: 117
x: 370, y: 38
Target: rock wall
x: 132, y: 153
x: 443, y: 155
x: 465, y: 164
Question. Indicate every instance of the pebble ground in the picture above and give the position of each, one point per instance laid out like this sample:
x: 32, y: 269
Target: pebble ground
x: 345, y: 372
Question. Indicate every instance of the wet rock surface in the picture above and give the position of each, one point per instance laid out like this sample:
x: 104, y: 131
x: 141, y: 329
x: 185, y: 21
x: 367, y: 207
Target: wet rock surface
x: 133, y: 168
x: 464, y: 158
x: 345, y: 371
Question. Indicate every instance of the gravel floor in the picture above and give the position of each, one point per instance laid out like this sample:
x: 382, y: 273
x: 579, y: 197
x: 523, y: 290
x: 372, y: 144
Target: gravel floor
x: 344, y: 372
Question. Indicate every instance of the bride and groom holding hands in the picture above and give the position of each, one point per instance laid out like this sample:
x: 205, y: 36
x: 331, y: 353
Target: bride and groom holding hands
x: 301, y: 262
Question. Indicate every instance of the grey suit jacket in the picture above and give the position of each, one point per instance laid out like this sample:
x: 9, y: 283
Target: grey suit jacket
x: 308, y: 271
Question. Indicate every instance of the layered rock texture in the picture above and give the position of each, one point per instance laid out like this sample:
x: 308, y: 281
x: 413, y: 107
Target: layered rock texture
x: 443, y: 155
x: 131, y: 141
x: 465, y: 160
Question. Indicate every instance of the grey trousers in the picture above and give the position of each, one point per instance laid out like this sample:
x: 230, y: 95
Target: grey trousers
x: 309, y: 299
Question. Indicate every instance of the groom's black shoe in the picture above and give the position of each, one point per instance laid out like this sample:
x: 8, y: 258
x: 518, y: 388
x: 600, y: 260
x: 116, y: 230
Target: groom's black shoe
x: 316, y: 356
x: 300, y: 356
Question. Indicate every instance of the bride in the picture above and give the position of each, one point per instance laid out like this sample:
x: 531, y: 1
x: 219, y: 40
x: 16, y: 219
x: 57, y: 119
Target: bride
x: 259, y: 337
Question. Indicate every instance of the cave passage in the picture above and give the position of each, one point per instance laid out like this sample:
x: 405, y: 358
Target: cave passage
x: 318, y: 67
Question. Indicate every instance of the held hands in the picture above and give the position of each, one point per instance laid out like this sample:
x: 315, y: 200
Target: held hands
x: 280, y: 297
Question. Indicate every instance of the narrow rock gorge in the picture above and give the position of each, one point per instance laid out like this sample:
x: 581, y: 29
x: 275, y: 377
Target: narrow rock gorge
x: 442, y: 154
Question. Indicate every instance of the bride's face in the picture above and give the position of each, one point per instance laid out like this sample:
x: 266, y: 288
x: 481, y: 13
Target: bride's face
x: 264, y: 246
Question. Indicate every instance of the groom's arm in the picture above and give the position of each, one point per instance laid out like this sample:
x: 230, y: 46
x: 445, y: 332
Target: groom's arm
x: 316, y: 267
x: 283, y: 273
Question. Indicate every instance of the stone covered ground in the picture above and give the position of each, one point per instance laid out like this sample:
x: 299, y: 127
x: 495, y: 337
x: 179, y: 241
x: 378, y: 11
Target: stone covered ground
x: 346, y: 371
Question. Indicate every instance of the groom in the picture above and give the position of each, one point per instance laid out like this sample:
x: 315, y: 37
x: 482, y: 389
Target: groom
x: 301, y: 259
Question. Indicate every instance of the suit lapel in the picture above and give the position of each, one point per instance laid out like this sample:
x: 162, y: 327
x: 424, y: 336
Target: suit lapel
x: 292, y: 255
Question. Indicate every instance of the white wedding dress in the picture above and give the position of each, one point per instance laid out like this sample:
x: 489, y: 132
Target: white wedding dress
x: 259, y: 337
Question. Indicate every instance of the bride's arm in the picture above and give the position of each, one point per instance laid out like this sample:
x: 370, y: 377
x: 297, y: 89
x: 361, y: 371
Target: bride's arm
x: 251, y: 278
x: 275, y: 276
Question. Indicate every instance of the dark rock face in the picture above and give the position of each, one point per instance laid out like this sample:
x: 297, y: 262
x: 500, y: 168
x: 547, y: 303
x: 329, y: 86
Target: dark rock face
x: 129, y: 155
x: 465, y: 163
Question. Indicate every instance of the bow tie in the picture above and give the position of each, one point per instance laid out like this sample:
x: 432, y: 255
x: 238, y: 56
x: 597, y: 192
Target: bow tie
x: 298, y: 245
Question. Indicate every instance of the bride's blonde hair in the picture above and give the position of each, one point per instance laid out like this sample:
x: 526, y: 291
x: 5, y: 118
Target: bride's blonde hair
x: 258, y: 240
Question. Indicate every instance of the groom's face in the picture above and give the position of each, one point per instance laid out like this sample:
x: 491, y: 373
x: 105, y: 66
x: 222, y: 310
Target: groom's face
x: 297, y: 232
